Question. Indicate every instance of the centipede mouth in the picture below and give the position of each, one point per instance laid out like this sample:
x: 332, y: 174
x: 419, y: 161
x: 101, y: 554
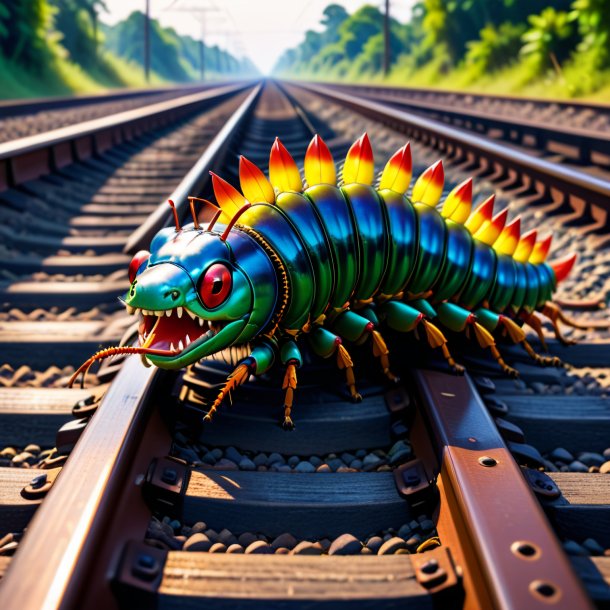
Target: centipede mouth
x: 175, y: 330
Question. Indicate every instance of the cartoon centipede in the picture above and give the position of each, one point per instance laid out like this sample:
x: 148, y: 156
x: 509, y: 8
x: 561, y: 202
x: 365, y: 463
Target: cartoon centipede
x: 331, y: 264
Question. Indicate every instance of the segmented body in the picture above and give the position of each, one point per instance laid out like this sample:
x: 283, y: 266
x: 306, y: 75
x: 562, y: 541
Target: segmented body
x: 334, y: 263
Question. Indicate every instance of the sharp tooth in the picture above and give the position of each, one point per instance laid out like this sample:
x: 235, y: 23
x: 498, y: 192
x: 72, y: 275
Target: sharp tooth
x: 130, y: 310
x: 187, y: 340
x: 179, y: 312
x: 180, y: 346
x: 201, y: 321
x: 190, y: 313
x: 159, y: 314
x: 168, y: 312
x: 147, y: 360
x: 171, y: 347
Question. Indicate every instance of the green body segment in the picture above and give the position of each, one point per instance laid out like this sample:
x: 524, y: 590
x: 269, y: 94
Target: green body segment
x: 355, y: 243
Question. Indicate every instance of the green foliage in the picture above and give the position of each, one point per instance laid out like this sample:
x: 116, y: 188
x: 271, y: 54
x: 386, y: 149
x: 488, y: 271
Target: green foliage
x: 496, y: 48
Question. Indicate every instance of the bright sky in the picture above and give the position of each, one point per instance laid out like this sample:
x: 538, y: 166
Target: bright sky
x: 259, y: 29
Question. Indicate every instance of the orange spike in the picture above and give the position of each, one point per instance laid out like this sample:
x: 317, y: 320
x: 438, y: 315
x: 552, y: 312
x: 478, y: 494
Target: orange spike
x: 359, y: 164
x: 458, y: 203
x: 172, y: 205
x: 398, y: 171
x: 563, y: 266
x: 319, y: 163
x: 541, y: 250
x: 481, y: 214
x: 283, y: 171
x: 489, y: 231
x: 429, y: 186
x: 509, y: 238
x: 525, y: 246
x: 229, y: 198
x: 254, y: 183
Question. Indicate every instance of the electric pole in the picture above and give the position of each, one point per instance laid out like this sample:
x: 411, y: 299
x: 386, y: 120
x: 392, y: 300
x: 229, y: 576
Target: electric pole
x: 147, y: 42
x: 386, y: 38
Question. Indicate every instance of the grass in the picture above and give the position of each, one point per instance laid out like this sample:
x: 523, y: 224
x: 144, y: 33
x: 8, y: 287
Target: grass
x: 63, y: 77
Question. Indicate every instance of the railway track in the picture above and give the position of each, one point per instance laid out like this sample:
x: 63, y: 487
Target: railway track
x: 421, y: 484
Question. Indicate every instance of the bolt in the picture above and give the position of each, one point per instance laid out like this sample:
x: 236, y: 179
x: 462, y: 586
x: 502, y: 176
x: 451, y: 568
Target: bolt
x: 412, y: 479
x: 39, y: 481
x: 145, y: 567
x: 487, y: 461
x: 429, y: 567
x: 169, y: 476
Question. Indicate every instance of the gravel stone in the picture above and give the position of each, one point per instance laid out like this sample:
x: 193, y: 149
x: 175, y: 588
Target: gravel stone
x: 360, y: 453
x: 260, y: 547
x: 260, y: 459
x: 284, y: 468
x: 577, y: 466
x: 370, y: 462
x: 335, y: 463
x: 209, y: 458
x: 217, y: 453
x: 226, y: 537
x: 293, y: 460
x: 405, y: 531
x: 308, y: 548
x: 275, y: 458
x: 212, y: 535
x: 200, y: 526
x: 400, y: 445
x: 284, y: 540
x: 235, y: 549
x: 175, y: 525
x: 325, y: 542
x: 282, y: 551
x: 218, y: 547
x: 32, y: 449
x: 573, y: 548
x: 314, y: 460
x: 225, y: 464
x: 594, y: 547
x: 606, y: 453
x: 605, y: 467
x: 391, y: 546
x: 246, y: 464
x: 346, y: 544
x: 413, y: 542
x: 305, y: 467
x: 375, y: 543
x: 197, y: 542
x: 323, y: 468
x: 232, y: 454
x: 589, y: 458
x: 427, y: 525
x: 347, y: 457
x: 366, y: 551
x: 246, y: 539
x: 356, y: 464
x: 400, y: 457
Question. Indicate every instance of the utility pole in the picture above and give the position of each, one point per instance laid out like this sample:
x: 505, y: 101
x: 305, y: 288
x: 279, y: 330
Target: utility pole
x: 386, y: 39
x: 147, y: 42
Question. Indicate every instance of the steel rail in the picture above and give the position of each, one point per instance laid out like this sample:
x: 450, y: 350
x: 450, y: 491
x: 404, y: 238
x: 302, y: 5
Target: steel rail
x: 30, y: 157
x: 489, y: 517
x: 514, y: 127
x: 71, y: 522
x: 19, y: 107
x: 538, y: 101
x: 197, y: 178
x: 552, y: 176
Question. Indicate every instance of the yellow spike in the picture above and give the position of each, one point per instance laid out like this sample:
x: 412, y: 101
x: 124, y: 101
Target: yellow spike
x: 283, y: 171
x: 254, y: 183
x: 458, y: 203
x: 319, y: 163
x: 398, y: 171
x: 509, y: 238
x: 229, y: 199
x: 359, y: 166
x: 525, y: 247
x: 481, y: 214
x: 490, y: 230
x: 429, y: 186
x: 540, y: 251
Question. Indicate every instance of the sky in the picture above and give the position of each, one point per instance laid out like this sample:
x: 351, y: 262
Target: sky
x: 259, y: 29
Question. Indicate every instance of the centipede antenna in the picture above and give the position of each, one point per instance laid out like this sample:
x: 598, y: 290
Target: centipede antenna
x: 172, y: 205
x: 195, y: 221
x: 214, y: 219
x: 235, y: 218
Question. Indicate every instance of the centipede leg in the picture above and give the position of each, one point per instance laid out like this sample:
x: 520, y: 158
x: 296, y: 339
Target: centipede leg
x: 555, y: 314
x: 289, y: 385
x: 435, y: 339
x: 517, y: 335
x: 235, y: 379
x: 535, y: 323
x: 485, y: 339
x: 381, y: 351
x: 344, y: 361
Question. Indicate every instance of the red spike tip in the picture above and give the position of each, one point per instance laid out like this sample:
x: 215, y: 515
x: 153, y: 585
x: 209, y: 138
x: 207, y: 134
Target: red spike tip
x: 172, y: 205
x: 563, y: 266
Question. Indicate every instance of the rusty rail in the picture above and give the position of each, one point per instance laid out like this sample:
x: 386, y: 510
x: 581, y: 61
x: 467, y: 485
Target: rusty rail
x: 33, y: 156
x: 489, y: 516
x: 552, y: 177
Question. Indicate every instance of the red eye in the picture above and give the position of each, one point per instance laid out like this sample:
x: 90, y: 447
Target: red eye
x: 215, y: 285
x: 137, y: 264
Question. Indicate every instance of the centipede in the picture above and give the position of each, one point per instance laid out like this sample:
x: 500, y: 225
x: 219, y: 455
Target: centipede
x: 334, y: 260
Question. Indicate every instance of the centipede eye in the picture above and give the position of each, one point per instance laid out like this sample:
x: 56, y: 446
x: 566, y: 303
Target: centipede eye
x: 215, y: 285
x: 138, y: 263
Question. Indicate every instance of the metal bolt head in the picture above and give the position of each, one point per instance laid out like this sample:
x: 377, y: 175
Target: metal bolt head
x: 169, y: 476
x: 487, y: 461
x: 429, y: 567
x: 39, y: 481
